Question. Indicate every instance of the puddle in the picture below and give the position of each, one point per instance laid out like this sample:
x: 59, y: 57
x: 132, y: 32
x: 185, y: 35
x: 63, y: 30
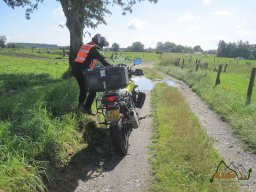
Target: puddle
x: 145, y: 84
x: 170, y: 83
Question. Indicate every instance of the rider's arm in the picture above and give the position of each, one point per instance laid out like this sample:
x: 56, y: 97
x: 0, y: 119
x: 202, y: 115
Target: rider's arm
x: 96, y: 55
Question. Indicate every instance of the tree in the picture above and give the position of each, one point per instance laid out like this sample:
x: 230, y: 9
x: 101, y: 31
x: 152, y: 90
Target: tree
x: 169, y: 46
x: 239, y: 49
x: 172, y: 47
x: 197, y: 48
x: 159, y: 47
x: 79, y: 14
x: 2, y: 41
x: 115, y: 47
x: 221, y: 51
x: 137, y: 47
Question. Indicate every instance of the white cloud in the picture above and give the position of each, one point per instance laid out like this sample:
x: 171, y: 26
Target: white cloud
x: 239, y: 27
x: 58, y: 12
x: 17, y: 37
x: 223, y: 13
x: 214, y: 39
x: 150, y: 41
x: 195, y: 28
x: 206, y: 2
x: 136, y: 24
x: 188, y: 17
x: 244, y: 32
x: 208, y: 41
x: 241, y: 30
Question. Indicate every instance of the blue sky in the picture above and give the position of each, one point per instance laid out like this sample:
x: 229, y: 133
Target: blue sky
x: 185, y: 22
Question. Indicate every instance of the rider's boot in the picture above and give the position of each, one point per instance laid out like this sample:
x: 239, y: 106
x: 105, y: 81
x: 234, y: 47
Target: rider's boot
x: 80, y: 105
x: 88, y: 111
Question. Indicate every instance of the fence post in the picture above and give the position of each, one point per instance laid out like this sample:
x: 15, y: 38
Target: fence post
x: 225, y: 68
x: 250, y: 87
x: 197, y: 66
x: 63, y: 52
x: 218, y: 76
x: 183, y: 61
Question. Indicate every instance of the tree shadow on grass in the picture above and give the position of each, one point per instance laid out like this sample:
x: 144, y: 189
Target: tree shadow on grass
x: 18, y: 93
x: 89, y: 163
x: 11, y: 83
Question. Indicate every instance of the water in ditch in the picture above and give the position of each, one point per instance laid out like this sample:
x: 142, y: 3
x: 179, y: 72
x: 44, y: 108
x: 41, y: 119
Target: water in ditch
x: 145, y: 84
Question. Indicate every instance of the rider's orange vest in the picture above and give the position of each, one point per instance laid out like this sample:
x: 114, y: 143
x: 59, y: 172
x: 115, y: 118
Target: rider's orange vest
x: 83, y: 54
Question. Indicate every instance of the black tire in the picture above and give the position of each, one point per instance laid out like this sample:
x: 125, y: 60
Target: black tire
x: 120, y: 138
x: 140, y: 100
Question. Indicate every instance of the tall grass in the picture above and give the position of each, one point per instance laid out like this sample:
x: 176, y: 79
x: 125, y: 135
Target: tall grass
x: 182, y: 154
x: 228, y: 99
x: 38, y: 127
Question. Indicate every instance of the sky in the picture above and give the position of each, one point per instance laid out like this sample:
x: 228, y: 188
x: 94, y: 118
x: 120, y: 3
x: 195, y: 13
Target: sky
x: 184, y: 22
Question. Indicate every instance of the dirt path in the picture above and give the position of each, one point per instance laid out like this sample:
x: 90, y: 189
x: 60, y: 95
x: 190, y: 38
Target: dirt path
x: 221, y: 134
x: 132, y: 173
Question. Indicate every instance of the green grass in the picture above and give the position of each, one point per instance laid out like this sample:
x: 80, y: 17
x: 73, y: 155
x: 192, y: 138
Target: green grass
x: 128, y: 57
x: 152, y: 73
x: 228, y: 99
x: 42, y: 53
x: 182, y: 154
x: 39, y: 122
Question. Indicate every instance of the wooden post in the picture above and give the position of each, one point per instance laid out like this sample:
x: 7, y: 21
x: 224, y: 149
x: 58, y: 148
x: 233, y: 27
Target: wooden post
x: 197, y: 66
x: 63, y: 53
x: 225, y: 68
x: 218, y: 76
x: 183, y: 61
x: 250, y: 87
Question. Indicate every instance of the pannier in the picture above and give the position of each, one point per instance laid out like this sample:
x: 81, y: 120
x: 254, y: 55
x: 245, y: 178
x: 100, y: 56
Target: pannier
x: 106, y: 78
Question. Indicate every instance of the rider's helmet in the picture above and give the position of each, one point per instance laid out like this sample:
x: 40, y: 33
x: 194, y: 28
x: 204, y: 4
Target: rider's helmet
x: 100, y: 40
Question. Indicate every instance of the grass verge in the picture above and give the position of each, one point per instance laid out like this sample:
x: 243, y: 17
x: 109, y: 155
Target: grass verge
x: 227, y: 99
x: 182, y: 155
x: 40, y: 129
x: 152, y: 74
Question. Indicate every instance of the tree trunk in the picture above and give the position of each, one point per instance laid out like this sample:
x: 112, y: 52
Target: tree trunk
x: 74, y: 13
x: 76, y: 38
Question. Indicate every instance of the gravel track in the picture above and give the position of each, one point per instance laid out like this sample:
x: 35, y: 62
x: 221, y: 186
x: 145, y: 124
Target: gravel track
x: 131, y: 173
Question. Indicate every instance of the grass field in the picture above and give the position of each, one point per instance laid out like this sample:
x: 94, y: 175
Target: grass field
x: 228, y: 98
x: 38, y: 127
x: 182, y: 154
x: 42, y: 53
